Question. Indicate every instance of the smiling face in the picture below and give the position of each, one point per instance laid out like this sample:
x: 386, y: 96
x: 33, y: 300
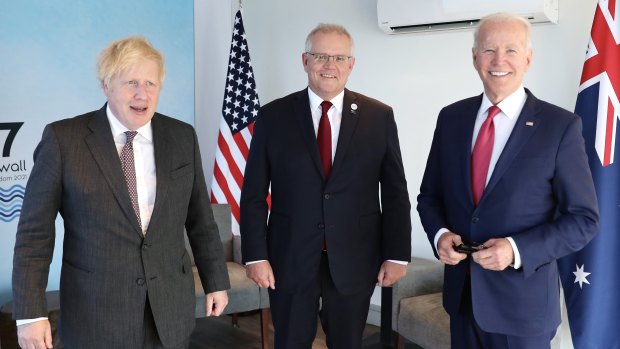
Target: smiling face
x: 133, y: 94
x: 328, y: 79
x: 501, y: 57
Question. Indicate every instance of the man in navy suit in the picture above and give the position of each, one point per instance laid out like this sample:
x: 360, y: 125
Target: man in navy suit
x: 331, y: 234
x: 529, y: 201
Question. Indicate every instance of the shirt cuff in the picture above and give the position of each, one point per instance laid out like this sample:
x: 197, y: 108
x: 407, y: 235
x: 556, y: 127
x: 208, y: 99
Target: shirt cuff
x: 517, y: 264
x: 439, y: 233
x: 254, y: 262
x: 29, y: 321
x: 398, y: 262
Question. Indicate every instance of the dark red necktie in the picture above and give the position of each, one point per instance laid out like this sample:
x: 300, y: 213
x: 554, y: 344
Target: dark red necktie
x: 481, y: 155
x: 324, y: 139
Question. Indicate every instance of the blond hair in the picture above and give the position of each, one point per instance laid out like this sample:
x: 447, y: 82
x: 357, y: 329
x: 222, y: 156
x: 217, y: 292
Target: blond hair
x: 125, y: 53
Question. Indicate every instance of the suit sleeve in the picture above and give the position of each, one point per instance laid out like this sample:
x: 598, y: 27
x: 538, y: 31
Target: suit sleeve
x: 576, y: 222
x: 254, y: 207
x: 395, y: 205
x: 203, y: 234
x: 430, y: 200
x: 34, y: 242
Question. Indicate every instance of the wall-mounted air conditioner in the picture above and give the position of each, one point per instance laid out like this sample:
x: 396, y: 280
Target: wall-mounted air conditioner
x: 407, y: 16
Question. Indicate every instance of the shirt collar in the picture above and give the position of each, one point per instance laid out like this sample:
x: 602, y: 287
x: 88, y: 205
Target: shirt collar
x: 510, y: 106
x: 118, y: 129
x: 315, y: 100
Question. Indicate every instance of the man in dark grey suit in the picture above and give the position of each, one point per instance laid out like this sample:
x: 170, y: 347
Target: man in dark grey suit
x: 125, y: 198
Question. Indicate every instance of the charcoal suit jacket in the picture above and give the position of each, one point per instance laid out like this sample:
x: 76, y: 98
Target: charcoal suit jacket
x: 109, y: 267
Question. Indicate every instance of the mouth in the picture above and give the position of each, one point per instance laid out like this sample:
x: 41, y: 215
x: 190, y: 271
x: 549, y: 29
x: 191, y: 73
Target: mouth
x: 498, y: 73
x: 139, y: 109
x: 328, y: 76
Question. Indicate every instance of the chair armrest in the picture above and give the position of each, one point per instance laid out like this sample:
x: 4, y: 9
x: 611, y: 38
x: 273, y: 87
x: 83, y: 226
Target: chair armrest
x: 236, y: 247
x: 423, y: 277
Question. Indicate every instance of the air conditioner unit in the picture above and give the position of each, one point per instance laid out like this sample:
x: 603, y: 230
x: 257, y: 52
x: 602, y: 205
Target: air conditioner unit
x: 408, y: 16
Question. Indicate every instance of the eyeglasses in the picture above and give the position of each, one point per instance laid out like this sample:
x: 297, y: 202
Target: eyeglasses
x: 135, y: 84
x: 323, y: 58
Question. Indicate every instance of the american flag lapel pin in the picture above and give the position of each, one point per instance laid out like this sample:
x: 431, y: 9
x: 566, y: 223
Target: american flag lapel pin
x: 353, y: 108
x: 529, y: 123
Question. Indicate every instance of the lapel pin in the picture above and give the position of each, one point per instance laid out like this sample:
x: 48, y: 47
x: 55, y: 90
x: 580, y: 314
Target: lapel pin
x: 353, y: 108
x: 529, y: 123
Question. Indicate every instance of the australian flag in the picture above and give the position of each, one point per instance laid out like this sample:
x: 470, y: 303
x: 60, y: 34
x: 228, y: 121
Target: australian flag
x: 591, y: 277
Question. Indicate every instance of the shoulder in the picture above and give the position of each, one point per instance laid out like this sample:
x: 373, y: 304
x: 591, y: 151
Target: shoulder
x: 463, y: 104
x: 547, y: 111
x: 76, y: 124
x: 171, y: 124
x: 361, y: 100
x: 286, y: 102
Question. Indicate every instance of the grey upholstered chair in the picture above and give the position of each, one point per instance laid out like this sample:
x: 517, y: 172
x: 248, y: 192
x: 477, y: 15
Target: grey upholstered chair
x: 417, y: 311
x: 417, y: 307
x: 243, y: 295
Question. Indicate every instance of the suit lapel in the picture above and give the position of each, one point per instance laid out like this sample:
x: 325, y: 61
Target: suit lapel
x: 301, y: 110
x: 526, y: 126
x: 161, y: 144
x: 350, y: 118
x: 102, y: 147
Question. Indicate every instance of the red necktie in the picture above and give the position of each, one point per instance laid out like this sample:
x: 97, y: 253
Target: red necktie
x: 481, y: 155
x: 324, y: 139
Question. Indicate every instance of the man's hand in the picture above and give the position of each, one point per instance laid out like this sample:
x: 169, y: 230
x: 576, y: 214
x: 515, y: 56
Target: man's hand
x: 391, y: 272
x: 35, y: 335
x: 497, y: 255
x: 445, y: 249
x: 262, y: 274
x: 216, y: 302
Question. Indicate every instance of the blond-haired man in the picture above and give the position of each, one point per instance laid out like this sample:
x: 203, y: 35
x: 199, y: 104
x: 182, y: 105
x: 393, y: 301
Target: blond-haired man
x: 127, y: 181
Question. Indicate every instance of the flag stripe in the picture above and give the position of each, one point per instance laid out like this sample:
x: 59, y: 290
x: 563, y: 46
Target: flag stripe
x: 609, y: 133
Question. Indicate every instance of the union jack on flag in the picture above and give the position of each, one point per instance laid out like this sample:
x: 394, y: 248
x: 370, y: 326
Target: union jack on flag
x: 590, y: 277
x: 239, y: 111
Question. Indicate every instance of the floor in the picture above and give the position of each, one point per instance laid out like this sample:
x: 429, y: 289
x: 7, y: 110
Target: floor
x: 218, y: 333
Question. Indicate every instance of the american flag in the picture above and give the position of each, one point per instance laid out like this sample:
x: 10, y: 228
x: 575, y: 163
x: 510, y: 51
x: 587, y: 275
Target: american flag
x: 239, y: 112
x: 590, y: 277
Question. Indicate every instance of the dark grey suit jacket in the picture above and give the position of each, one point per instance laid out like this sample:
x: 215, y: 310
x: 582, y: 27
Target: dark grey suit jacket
x: 362, y: 210
x: 109, y: 268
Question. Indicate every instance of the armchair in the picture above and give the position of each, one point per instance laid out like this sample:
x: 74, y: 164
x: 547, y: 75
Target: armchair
x: 417, y: 311
x: 243, y: 295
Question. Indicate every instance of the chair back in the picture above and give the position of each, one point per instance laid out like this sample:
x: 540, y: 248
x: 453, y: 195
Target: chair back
x: 221, y: 213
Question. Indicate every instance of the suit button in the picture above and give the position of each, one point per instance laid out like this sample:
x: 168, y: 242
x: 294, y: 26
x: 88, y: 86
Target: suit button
x: 321, y: 226
x: 327, y: 196
x: 475, y: 220
x: 140, y: 281
x: 145, y: 246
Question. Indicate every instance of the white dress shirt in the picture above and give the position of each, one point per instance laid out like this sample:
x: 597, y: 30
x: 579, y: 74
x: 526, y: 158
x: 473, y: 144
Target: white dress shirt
x: 144, y: 158
x: 334, y: 114
x: 504, y: 123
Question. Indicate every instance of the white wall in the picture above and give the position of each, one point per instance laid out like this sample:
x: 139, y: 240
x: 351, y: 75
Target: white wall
x: 417, y: 74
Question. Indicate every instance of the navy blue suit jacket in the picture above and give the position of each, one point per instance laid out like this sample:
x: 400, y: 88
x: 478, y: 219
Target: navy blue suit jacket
x: 361, y: 224
x: 540, y: 193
